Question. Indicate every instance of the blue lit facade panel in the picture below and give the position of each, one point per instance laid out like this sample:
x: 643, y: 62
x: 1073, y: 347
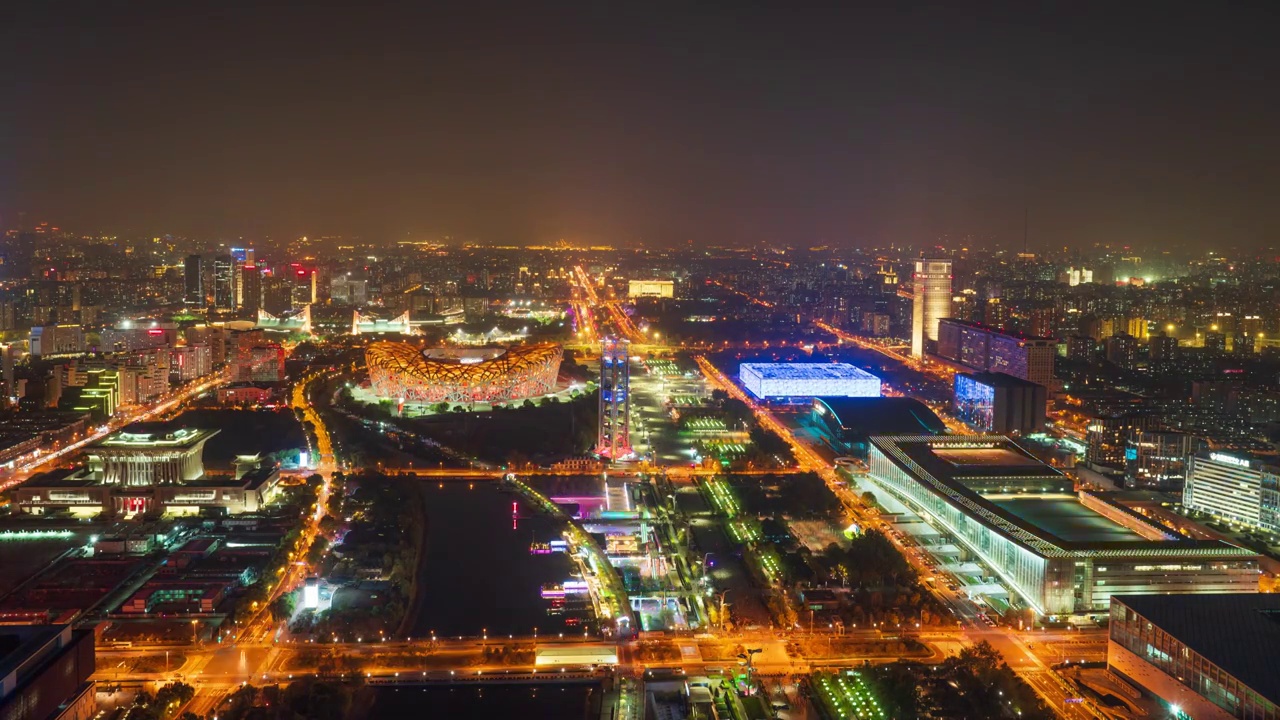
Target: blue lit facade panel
x: 800, y: 380
x: 975, y: 402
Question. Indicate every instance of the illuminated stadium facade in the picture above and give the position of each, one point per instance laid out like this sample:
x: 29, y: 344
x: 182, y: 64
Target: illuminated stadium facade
x: 993, y: 506
x: 410, y: 374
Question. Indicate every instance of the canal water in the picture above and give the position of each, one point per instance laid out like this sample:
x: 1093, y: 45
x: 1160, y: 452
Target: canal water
x: 528, y: 702
x: 482, y: 572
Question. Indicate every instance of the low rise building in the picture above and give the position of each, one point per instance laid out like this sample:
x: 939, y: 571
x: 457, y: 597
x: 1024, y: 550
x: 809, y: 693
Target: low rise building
x: 148, y: 469
x: 1052, y: 550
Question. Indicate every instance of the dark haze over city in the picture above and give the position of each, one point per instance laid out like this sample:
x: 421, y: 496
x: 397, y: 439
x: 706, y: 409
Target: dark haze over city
x: 646, y: 123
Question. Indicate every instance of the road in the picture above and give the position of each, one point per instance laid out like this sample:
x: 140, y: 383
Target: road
x: 256, y: 655
x: 621, y: 322
x: 1050, y: 687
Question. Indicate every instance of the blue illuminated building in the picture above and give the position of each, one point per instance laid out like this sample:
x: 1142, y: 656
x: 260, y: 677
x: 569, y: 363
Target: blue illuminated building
x: 806, y: 380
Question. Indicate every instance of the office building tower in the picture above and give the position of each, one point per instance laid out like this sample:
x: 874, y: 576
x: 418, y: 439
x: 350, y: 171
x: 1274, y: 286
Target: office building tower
x: 193, y: 274
x: 985, y: 349
x: 931, y: 301
x: 1242, y: 344
x: 613, y: 439
x: 1106, y: 437
x: 224, y: 288
x: 1157, y: 459
x: 251, y: 288
x: 1235, y: 489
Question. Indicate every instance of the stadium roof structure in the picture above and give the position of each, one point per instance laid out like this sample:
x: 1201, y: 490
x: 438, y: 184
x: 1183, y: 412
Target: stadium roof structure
x: 411, y: 360
x: 406, y: 370
x: 1238, y: 632
x: 865, y: 416
x: 998, y: 483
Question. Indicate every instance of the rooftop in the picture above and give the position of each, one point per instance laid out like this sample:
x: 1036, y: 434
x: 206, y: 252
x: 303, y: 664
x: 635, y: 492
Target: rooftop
x: 1239, y: 633
x: 164, y: 434
x: 956, y: 458
x: 998, y: 331
x: 1064, y: 517
x: 997, y: 379
x: 995, y: 481
x: 808, y: 371
x: 865, y: 416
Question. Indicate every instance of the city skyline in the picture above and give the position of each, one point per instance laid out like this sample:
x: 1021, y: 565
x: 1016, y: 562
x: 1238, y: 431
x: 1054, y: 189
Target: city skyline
x: 853, y: 127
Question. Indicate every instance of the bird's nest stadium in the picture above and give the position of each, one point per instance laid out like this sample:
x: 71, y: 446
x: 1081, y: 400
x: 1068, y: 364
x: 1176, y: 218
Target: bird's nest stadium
x: 411, y: 374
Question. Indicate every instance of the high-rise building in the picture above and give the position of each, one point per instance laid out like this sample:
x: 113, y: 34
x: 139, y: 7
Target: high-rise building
x: 1107, y: 435
x: 1122, y: 350
x: 224, y: 287
x: 190, y: 362
x: 931, y: 301
x: 1157, y: 459
x: 988, y: 349
x: 1242, y: 344
x: 996, y: 313
x: 613, y: 439
x: 1237, y: 489
x: 1215, y: 342
x: 347, y: 290
x: 1163, y: 347
x: 193, y: 274
x: 46, y: 671
x: 1081, y: 348
x: 251, y: 287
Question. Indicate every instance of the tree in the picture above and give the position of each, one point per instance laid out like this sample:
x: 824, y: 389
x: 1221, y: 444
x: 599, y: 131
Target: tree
x: 285, y: 606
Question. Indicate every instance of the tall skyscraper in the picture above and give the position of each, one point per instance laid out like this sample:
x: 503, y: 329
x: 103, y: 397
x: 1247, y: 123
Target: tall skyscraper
x: 194, y: 275
x: 224, y: 285
x: 251, y: 287
x: 613, y: 439
x: 931, y: 301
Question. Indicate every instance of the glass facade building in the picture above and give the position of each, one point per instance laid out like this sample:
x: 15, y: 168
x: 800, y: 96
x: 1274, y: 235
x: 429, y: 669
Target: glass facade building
x: 1209, y: 656
x: 975, y: 401
x: 1239, y: 490
x: 1021, y: 521
x: 931, y: 301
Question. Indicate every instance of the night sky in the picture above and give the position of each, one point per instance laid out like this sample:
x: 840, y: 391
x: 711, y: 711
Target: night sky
x: 646, y: 122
